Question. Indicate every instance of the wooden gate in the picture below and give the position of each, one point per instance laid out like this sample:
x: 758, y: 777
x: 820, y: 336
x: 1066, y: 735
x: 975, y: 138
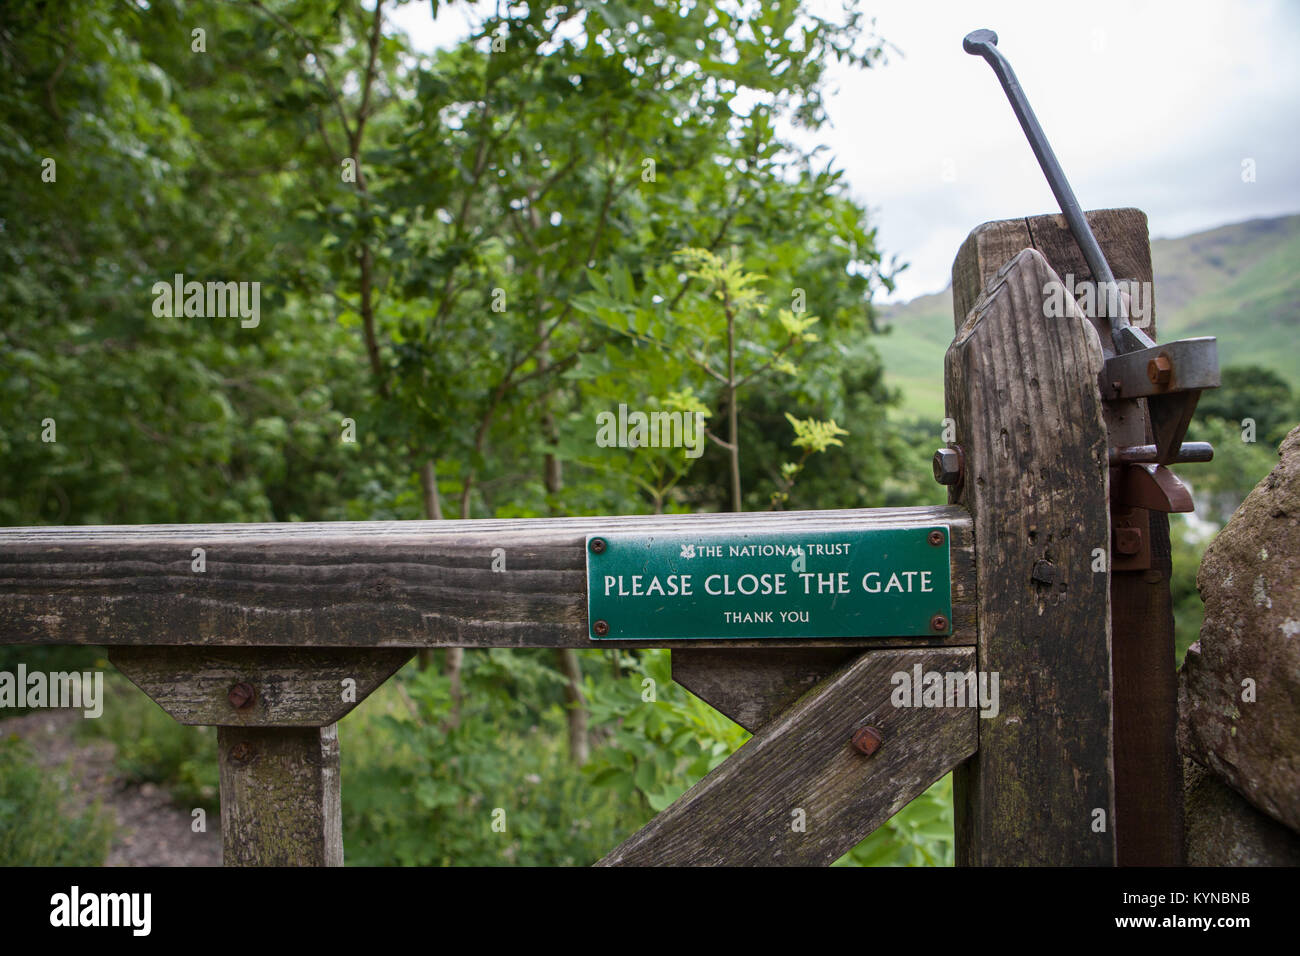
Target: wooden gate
x: 1077, y: 766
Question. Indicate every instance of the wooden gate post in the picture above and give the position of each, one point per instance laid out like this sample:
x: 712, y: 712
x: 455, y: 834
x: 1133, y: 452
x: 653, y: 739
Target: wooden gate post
x: 280, y: 796
x: 276, y: 711
x: 1022, y: 391
x: 1148, y: 823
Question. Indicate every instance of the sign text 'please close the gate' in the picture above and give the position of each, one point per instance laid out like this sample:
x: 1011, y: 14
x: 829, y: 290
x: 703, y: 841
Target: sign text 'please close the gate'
x: 879, y: 582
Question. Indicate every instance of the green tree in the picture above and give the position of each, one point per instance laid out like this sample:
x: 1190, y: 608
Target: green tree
x: 128, y: 158
x: 1254, y: 393
x: 427, y: 232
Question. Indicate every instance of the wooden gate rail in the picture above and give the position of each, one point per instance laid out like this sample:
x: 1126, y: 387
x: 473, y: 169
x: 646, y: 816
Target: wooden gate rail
x: 372, y: 583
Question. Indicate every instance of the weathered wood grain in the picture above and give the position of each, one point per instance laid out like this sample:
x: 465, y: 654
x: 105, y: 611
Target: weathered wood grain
x: 1022, y: 390
x: 1148, y: 771
x: 751, y: 686
x: 293, y: 686
x: 745, y: 811
x: 280, y: 796
x: 1121, y: 233
x: 366, y: 584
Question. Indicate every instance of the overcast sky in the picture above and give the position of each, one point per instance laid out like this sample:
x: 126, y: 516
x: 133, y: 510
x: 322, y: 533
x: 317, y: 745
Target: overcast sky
x: 1150, y: 104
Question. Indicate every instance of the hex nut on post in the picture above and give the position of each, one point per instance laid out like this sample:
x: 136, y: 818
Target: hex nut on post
x: 241, y: 695
x: 948, y: 466
x: 1160, y: 370
x: 867, y: 741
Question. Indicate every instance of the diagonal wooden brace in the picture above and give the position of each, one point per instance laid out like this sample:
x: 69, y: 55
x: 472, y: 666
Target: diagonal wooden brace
x: 798, y: 792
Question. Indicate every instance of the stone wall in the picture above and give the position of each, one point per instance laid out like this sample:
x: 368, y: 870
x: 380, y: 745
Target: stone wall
x: 1239, y: 689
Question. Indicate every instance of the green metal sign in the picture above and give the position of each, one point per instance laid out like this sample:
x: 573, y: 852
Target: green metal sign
x: 880, y: 582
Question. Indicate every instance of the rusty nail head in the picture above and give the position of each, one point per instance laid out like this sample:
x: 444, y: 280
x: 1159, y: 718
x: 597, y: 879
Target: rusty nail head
x: 601, y: 628
x: 241, y: 695
x: 935, y: 537
x: 240, y: 752
x: 597, y: 545
x: 1160, y: 369
x: 1128, y: 540
x: 867, y: 740
x: 938, y: 623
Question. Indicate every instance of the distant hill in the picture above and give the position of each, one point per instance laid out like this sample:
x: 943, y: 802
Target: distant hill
x: 1239, y: 282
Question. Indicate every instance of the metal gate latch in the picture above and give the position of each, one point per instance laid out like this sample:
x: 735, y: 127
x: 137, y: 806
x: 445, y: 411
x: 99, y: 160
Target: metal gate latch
x: 1167, y: 378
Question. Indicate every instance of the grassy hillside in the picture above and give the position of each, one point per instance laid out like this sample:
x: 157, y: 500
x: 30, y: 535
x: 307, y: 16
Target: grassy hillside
x: 1239, y: 282
x: 912, y: 350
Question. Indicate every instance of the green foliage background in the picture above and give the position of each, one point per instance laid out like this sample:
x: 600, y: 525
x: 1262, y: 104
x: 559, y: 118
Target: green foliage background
x: 39, y: 826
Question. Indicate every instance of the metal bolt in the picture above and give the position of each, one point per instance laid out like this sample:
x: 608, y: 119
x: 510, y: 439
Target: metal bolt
x: 1128, y: 540
x: 1044, y: 572
x: 948, y: 466
x: 935, y: 538
x: 1160, y: 370
x: 938, y: 623
x: 241, y: 695
x: 1188, y: 451
x: 867, y: 740
x: 597, y: 545
x: 601, y: 628
x: 241, y: 752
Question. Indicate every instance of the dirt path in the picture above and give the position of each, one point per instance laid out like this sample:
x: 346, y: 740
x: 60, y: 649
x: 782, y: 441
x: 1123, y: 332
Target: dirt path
x: 151, y: 831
